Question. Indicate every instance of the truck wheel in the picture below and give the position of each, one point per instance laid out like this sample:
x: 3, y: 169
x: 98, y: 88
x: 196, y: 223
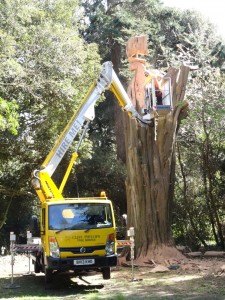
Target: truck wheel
x: 48, y: 275
x: 106, y: 273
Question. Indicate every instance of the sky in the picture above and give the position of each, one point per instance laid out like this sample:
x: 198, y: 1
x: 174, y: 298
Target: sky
x: 214, y: 10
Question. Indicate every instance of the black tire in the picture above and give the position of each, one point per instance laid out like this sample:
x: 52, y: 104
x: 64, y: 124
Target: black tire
x: 106, y: 273
x: 48, y: 275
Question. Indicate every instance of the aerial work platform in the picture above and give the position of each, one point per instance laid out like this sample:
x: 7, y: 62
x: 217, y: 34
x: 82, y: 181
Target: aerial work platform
x: 158, y: 99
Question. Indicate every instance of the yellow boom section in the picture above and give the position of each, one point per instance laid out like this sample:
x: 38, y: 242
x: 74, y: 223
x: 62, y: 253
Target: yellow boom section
x: 42, y: 181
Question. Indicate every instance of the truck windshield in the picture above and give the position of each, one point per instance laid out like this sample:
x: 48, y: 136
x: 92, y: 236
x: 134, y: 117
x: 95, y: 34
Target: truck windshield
x: 79, y: 216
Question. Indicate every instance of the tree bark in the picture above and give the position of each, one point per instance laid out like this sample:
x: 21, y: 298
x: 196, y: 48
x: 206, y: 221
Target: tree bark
x: 150, y: 153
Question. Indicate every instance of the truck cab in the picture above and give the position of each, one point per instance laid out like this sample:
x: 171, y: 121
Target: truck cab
x: 77, y: 235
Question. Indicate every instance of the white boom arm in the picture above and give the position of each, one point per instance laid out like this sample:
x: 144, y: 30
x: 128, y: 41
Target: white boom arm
x: 86, y: 113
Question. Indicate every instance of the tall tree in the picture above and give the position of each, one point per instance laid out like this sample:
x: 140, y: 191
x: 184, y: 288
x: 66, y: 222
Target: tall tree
x: 46, y: 68
x: 150, y: 195
x: 174, y: 37
x: 203, y: 180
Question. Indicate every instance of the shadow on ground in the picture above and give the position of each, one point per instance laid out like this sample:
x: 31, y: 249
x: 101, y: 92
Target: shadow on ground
x: 33, y: 286
x: 171, y: 285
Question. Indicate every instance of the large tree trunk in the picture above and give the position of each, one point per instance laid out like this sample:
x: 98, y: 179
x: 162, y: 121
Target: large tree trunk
x: 118, y: 113
x: 150, y: 153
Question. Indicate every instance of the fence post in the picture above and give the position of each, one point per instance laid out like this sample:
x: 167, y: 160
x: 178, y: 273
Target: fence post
x: 130, y: 233
x: 12, y: 250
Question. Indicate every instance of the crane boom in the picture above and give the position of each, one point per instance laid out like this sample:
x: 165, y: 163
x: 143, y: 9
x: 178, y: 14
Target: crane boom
x: 107, y: 79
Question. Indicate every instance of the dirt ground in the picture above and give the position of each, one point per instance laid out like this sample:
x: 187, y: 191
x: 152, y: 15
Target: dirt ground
x: 184, y: 279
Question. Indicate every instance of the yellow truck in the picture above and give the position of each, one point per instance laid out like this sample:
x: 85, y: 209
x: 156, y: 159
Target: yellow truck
x: 78, y: 234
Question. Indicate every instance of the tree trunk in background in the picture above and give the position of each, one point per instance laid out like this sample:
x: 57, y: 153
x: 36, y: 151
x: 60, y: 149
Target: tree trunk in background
x: 118, y: 113
x: 150, y: 153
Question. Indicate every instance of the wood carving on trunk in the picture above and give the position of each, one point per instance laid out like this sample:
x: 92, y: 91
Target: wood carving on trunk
x: 137, y: 46
x: 151, y: 165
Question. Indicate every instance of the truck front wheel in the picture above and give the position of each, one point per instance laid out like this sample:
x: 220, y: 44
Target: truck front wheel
x: 106, y: 273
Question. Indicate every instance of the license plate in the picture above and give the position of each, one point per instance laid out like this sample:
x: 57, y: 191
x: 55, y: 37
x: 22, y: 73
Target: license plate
x: 82, y: 262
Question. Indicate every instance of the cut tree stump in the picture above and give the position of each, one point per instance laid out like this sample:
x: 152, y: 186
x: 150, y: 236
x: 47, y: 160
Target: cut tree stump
x: 150, y: 161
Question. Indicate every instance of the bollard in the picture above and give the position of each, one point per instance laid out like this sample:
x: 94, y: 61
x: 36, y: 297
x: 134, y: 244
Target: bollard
x: 130, y: 233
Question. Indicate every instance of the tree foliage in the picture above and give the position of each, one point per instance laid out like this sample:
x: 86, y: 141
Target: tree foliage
x: 8, y: 116
x: 201, y: 147
x: 46, y: 69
